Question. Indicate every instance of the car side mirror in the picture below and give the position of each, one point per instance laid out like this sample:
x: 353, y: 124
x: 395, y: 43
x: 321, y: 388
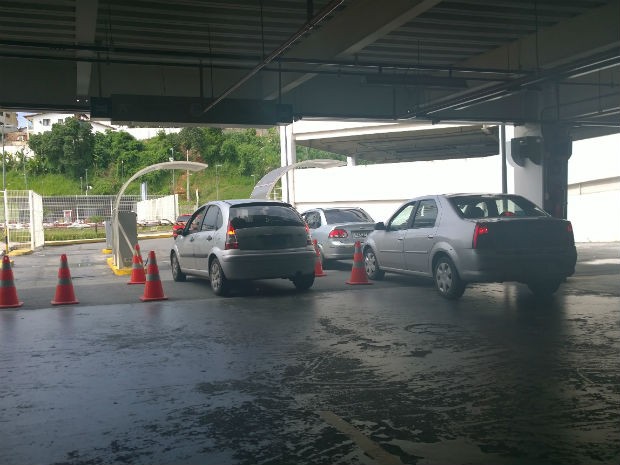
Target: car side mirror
x: 380, y: 226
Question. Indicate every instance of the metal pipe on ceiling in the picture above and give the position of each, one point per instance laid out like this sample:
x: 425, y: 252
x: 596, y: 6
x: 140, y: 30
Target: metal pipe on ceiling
x: 226, y: 58
x: 200, y: 66
x: 475, y: 97
x: 277, y: 52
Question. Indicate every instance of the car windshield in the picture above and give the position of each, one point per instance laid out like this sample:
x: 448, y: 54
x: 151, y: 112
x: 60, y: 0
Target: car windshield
x: 252, y: 216
x: 489, y: 206
x: 347, y: 216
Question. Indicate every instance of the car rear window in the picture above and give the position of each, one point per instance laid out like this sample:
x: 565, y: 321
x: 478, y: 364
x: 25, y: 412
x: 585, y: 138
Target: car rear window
x: 347, y: 216
x: 252, y: 216
x: 487, y: 206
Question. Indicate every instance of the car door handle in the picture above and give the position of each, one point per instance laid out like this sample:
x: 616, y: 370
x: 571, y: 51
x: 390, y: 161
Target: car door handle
x: 401, y: 239
x: 430, y: 236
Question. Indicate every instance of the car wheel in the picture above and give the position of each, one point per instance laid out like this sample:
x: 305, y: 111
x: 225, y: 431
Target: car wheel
x: 447, y: 279
x: 303, y: 282
x: 177, y: 274
x: 371, y: 265
x: 544, y: 287
x: 219, y: 282
x: 324, y: 261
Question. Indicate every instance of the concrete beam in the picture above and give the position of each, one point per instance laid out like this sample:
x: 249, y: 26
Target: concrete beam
x: 337, y: 39
x: 85, y: 30
x: 575, y: 38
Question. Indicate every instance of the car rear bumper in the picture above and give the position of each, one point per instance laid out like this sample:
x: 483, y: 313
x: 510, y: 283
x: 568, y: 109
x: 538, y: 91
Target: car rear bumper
x: 262, y: 265
x: 338, y: 250
x: 517, y: 265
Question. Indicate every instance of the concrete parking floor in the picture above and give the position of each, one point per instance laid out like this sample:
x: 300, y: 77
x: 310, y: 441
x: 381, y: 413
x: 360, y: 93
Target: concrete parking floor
x: 382, y: 374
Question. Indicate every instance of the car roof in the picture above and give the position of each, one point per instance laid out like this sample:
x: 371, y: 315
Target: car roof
x: 464, y: 194
x: 236, y: 202
x: 334, y: 208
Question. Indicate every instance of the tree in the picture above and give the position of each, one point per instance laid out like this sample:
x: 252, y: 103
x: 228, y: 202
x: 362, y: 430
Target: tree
x: 67, y: 148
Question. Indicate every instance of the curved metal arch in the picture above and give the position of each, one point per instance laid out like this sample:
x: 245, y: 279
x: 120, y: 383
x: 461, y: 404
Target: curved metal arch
x: 169, y: 165
x: 265, y: 185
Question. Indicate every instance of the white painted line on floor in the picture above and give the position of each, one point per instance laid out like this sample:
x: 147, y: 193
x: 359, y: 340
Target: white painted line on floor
x: 369, y: 446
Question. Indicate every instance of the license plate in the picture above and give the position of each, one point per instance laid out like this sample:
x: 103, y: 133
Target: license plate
x: 360, y: 234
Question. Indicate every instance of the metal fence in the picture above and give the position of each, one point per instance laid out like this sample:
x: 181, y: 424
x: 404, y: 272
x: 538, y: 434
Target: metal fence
x: 63, y: 209
x: 25, y: 214
x: 21, y: 217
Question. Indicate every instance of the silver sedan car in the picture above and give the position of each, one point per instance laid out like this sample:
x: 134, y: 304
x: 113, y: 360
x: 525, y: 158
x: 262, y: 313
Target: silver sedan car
x: 337, y: 229
x: 465, y: 238
x: 247, y: 239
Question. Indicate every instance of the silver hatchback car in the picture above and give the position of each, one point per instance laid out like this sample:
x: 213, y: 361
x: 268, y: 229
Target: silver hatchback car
x: 247, y: 239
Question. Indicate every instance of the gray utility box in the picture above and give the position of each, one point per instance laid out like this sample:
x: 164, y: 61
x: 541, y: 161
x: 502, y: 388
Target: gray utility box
x: 127, y: 240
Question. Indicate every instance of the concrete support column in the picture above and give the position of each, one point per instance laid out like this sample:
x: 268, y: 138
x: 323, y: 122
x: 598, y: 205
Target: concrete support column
x: 558, y: 149
x: 539, y: 156
x: 351, y: 161
x: 528, y: 171
x: 288, y: 156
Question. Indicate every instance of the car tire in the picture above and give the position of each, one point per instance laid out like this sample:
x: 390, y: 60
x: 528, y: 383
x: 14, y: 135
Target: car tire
x: 177, y: 273
x: 544, y: 287
x: 371, y: 265
x: 219, y: 282
x: 447, y: 280
x: 303, y: 282
x: 324, y: 261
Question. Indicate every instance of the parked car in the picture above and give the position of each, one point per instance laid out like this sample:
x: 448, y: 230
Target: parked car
x: 229, y: 241
x: 179, y: 224
x: 148, y: 223
x: 466, y: 238
x: 79, y: 224
x: 337, y: 229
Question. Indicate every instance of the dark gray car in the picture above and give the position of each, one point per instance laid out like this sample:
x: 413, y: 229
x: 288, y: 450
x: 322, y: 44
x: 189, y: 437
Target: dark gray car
x: 247, y: 239
x: 336, y: 230
x: 463, y: 238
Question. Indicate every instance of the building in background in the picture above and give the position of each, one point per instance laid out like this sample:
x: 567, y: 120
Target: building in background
x: 19, y: 128
x: 43, y: 122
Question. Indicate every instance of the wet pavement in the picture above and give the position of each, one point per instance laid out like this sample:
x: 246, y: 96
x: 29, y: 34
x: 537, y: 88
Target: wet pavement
x: 383, y: 374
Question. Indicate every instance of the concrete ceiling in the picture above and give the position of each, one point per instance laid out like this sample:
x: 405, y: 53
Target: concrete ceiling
x: 265, y: 62
x: 392, y: 143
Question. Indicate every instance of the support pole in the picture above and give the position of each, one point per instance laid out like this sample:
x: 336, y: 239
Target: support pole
x: 502, y: 151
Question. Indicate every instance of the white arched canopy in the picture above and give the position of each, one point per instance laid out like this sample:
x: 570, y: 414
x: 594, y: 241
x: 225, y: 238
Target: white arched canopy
x: 265, y: 185
x: 169, y: 165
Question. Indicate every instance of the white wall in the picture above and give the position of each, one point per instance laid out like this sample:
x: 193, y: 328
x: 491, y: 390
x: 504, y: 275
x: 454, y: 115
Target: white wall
x: 379, y: 189
x: 595, y: 215
x: 594, y: 189
x: 593, y: 185
x: 162, y: 208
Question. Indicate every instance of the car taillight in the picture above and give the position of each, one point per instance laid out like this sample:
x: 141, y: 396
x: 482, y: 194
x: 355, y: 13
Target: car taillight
x: 308, y: 237
x: 338, y: 234
x: 231, y: 238
x: 569, y: 230
x: 481, y: 230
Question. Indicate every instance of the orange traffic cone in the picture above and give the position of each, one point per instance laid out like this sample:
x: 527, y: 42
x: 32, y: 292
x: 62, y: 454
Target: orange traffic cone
x: 318, y: 267
x: 153, y: 289
x: 137, y: 268
x: 64, y: 289
x: 358, y: 273
x: 8, y: 293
